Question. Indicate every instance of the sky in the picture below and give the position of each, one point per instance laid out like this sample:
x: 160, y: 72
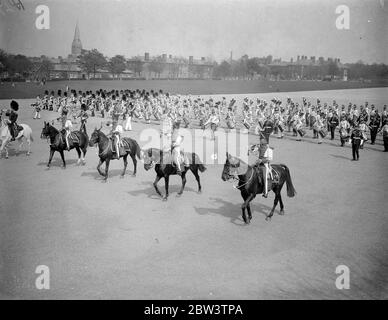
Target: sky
x: 202, y: 28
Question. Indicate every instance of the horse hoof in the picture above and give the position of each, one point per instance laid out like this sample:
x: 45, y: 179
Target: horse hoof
x: 281, y: 212
x: 164, y: 199
x: 121, y: 176
x: 134, y: 175
x: 268, y: 219
x: 199, y: 191
x: 179, y: 194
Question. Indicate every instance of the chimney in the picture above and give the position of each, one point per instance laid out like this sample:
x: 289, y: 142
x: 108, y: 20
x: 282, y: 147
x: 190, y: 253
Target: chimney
x: 146, y: 56
x: 202, y: 58
x: 170, y: 56
x: 191, y: 59
x: 164, y: 57
x: 292, y: 60
x: 297, y: 58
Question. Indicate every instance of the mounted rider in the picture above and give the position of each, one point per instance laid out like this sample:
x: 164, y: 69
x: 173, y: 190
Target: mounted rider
x: 12, y: 118
x: 176, y: 141
x: 116, y: 112
x: 265, y: 156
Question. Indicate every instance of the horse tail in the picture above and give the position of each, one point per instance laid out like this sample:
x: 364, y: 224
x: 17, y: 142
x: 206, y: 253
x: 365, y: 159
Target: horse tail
x: 201, y: 167
x: 138, y: 150
x: 290, y: 187
x: 195, y: 160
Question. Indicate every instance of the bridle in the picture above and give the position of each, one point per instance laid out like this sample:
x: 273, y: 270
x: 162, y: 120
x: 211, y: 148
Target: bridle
x: 235, y: 176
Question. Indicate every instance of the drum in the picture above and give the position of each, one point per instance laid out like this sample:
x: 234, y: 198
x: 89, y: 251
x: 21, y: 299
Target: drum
x: 247, y: 125
x: 344, y: 134
x: 322, y: 133
x: 230, y: 124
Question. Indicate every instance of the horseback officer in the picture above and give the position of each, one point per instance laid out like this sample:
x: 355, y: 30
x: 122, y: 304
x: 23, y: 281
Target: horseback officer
x: 12, y: 118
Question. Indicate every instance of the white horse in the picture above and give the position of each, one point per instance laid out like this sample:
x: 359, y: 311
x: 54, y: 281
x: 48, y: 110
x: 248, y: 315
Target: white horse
x: 5, y: 138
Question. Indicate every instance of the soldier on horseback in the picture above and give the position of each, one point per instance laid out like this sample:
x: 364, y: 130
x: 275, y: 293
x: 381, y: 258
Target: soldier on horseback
x: 176, y: 141
x: 12, y: 118
x: 116, y: 112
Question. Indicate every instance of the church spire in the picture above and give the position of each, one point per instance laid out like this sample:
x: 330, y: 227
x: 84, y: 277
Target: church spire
x: 76, y: 32
x: 76, y: 46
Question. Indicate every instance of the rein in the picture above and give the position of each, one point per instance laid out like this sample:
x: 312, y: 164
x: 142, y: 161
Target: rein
x: 250, y: 178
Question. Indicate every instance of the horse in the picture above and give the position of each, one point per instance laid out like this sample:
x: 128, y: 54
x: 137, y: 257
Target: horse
x: 58, y: 143
x: 5, y: 138
x: 154, y: 156
x: 251, y: 183
x: 105, y: 151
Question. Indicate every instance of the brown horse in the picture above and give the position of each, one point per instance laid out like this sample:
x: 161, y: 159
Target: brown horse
x: 164, y: 170
x: 106, y: 154
x: 251, y: 183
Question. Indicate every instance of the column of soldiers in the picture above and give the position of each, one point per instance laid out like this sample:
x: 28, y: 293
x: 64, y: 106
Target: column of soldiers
x: 257, y: 116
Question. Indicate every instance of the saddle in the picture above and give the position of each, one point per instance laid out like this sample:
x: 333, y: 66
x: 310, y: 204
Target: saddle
x: 273, y: 176
x: 167, y: 158
x: 124, y: 146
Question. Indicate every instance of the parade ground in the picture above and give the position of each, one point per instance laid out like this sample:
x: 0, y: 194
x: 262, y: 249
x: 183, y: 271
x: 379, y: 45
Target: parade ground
x: 119, y: 240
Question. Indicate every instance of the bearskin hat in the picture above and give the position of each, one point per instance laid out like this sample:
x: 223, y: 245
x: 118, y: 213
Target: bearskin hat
x: 14, y: 105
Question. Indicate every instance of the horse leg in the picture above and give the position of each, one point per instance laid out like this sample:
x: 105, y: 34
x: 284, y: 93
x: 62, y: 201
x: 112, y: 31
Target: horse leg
x: 247, y: 199
x: 106, y: 169
x: 195, y: 172
x: 51, y: 157
x: 63, y: 159
x: 125, y: 165
x: 98, y: 167
x: 281, y: 204
x: 166, y: 181
x: 249, y: 211
x: 134, y: 165
x: 275, y: 203
x: 156, y: 185
x: 20, y: 146
x: 183, y: 183
x: 79, y: 155
x: 29, y: 147
x: 83, y: 155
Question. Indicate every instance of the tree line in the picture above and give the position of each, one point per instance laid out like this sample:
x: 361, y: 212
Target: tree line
x: 91, y: 61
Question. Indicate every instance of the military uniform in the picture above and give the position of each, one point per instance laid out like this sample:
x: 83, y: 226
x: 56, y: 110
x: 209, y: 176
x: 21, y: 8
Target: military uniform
x: 374, y: 126
x: 356, y: 138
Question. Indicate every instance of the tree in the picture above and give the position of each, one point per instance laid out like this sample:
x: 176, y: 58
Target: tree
x: 223, y: 70
x: 3, y: 60
x: 18, y: 64
x: 92, y: 60
x: 239, y: 68
x: 117, y: 65
x: 136, y: 66
x: 44, y: 69
x: 156, y: 66
x: 333, y: 69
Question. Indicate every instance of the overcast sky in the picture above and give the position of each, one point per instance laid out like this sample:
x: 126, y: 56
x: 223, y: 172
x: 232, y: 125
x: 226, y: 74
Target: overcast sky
x: 211, y: 28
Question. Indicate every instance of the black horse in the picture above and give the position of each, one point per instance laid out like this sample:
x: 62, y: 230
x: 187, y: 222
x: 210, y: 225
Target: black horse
x: 164, y: 170
x: 78, y: 140
x: 105, y: 151
x: 251, y: 183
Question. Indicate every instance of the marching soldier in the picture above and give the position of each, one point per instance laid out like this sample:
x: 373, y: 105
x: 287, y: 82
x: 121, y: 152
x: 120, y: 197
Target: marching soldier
x: 356, y: 140
x: 374, y: 125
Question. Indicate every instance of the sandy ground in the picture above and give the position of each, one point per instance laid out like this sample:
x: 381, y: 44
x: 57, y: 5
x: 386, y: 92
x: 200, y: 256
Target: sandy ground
x: 119, y: 240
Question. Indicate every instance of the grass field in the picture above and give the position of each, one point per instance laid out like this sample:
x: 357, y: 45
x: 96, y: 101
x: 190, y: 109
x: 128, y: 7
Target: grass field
x: 31, y: 90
